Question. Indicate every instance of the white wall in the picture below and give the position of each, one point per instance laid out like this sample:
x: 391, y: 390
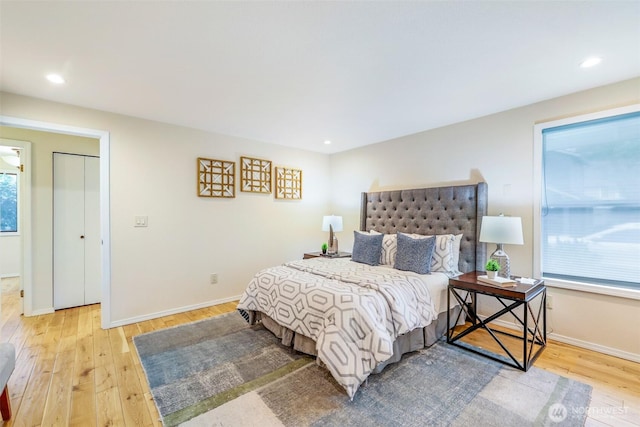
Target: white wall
x: 497, y: 149
x: 10, y: 260
x: 166, y: 266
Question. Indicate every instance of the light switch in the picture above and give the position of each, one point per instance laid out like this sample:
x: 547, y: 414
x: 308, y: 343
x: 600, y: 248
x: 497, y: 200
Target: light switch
x: 141, y: 221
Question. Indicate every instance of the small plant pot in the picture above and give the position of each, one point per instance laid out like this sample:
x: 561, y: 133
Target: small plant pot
x: 492, y: 274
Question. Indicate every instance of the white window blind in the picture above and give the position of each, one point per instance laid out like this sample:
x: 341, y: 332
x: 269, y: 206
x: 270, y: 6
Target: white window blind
x: 590, y: 207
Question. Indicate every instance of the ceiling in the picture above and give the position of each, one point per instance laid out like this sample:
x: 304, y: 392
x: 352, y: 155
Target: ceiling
x: 300, y: 73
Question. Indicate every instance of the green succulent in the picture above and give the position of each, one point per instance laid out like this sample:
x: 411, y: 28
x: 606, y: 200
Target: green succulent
x: 492, y: 265
x: 325, y: 247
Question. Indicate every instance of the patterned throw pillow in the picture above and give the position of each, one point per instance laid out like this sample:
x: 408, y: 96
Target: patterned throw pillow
x: 414, y: 254
x: 366, y: 248
x: 456, y: 255
x: 445, y: 255
x: 389, y: 248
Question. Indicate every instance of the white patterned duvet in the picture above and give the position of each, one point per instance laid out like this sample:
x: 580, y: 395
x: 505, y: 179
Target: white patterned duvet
x: 353, y: 311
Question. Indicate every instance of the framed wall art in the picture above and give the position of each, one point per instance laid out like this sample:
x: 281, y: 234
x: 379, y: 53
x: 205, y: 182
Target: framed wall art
x: 216, y: 178
x: 288, y: 183
x: 255, y: 175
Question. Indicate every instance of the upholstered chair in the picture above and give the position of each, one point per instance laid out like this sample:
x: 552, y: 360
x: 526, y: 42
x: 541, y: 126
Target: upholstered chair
x: 7, y: 364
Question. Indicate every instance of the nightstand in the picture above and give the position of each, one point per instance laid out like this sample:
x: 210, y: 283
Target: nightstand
x: 319, y: 254
x: 532, y: 317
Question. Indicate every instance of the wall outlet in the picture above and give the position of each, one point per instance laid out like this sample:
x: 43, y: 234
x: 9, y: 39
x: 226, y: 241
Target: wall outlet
x: 214, y: 278
x: 549, y: 302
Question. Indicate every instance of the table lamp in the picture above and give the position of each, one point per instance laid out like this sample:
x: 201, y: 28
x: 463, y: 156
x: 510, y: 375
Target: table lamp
x: 501, y: 230
x: 332, y: 224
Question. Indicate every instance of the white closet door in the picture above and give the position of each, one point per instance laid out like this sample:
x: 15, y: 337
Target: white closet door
x: 76, y: 232
x: 92, y: 243
x: 68, y: 230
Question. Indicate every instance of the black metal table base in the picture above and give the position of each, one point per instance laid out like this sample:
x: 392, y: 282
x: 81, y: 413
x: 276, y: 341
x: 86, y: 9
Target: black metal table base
x: 532, y: 334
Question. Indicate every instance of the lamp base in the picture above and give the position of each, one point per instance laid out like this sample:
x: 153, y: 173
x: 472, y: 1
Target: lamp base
x: 333, y: 249
x: 503, y: 259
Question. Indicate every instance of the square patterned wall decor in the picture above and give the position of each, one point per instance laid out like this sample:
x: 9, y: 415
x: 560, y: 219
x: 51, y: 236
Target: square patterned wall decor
x: 255, y: 175
x: 216, y: 178
x: 288, y: 183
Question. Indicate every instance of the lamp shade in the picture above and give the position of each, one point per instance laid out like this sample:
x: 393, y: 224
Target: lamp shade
x: 501, y: 229
x: 334, y: 220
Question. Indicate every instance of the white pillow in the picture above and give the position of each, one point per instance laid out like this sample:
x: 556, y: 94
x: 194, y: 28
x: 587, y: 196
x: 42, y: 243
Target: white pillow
x: 456, y: 253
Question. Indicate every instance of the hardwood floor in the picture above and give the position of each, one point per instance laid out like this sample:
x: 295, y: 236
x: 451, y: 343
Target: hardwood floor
x: 69, y: 371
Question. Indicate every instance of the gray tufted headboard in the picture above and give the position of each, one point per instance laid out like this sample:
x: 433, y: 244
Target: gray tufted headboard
x: 438, y: 210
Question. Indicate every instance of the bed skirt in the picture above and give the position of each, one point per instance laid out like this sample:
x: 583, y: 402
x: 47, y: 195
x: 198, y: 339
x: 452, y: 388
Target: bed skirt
x: 405, y: 343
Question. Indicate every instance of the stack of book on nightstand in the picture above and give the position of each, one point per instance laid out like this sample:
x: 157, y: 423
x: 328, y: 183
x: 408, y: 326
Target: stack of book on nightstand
x: 498, y: 281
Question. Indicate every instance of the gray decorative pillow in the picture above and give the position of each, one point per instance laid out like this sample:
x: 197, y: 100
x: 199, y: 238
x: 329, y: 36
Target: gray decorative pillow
x: 389, y: 247
x: 366, y: 248
x: 414, y: 254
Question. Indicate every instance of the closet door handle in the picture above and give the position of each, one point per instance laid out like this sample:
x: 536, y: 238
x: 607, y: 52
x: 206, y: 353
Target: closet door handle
x: 82, y: 237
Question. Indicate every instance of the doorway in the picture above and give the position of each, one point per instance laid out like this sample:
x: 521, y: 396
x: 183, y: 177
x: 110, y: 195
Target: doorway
x: 105, y: 256
x: 15, y: 209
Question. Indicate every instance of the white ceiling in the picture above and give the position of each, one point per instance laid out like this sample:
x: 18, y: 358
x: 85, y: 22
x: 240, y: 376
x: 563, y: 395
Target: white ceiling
x: 298, y: 73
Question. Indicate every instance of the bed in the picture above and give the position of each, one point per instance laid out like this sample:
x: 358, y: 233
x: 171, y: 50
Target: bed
x: 359, y: 315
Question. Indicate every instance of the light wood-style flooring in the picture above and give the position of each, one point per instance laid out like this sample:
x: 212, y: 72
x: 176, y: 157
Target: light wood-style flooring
x: 69, y: 371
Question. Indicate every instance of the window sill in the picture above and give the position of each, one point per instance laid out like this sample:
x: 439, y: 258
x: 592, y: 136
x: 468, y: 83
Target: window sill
x: 9, y: 233
x: 609, y: 290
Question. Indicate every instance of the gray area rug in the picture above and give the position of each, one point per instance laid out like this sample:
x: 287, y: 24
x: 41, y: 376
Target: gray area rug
x: 223, y: 372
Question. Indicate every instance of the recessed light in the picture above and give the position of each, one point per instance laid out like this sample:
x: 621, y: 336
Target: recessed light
x: 591, y: 62
x: 55, y: 78
x: 327, y: 142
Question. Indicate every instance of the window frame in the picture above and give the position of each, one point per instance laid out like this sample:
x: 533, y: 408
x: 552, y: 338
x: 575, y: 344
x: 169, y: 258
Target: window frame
x: 605, y: 289
x: 18, y: 195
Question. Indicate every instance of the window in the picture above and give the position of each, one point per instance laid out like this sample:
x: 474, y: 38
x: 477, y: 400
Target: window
x: 589, y: 209
x: 8, y: 202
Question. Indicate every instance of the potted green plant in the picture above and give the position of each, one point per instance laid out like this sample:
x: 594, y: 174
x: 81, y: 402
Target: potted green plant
x: 492, y: 266
x: 324, y: 248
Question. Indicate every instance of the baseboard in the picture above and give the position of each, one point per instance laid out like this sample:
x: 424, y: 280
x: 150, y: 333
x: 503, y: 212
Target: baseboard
x: 596, y: 347
x: 577, y: 343
x: 158, y: 314
x: 41, y: 311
